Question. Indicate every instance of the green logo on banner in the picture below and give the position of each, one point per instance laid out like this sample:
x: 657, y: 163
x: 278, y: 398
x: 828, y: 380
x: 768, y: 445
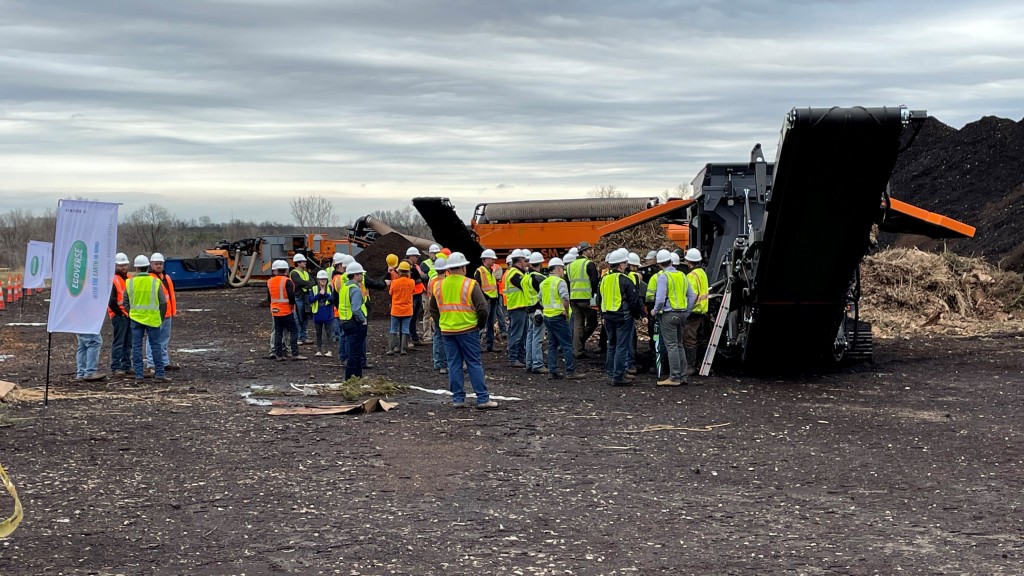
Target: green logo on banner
x: 74, y: 277
x: 34, y: 266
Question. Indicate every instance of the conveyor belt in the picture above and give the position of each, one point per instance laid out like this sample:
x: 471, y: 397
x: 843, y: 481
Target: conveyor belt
x: 831, y: 170
x: 448, y: 229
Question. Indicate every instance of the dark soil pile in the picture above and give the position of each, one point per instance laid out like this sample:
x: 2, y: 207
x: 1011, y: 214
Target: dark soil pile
x: 374, y: 260
x: 976, y: 175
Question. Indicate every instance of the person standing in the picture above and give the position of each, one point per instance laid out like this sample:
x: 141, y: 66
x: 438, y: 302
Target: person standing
x: 554, y: 297
x: 338, y: 281
x: 300, y: 277
x: 437, y: 340
x: 484, y: 276
x: 87, y: 357
x: 633, y: 261
x: 353, y: 318
x: 620, y: 305
x: 321, y: 307
x: 698, y: 281
x: 156, y: 270
x: 583, y: 286
x: 672, y: 302
x: 420, y: 279
x: 461, y: 309
x: 146, y: 303
x: 517, y: 310
x: 282, y: 308
x: 401, y: 310
x: 535, y: 324
x: 120, y: 325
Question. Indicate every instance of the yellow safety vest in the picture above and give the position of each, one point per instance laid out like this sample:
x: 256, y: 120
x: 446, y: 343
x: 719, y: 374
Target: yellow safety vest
x: 699, y: 279
x: 579, y: 281
x: 652, y: 286
x: 431, y: 273
x: 487, y: 283
x: 345, y: 304
x: 611, y: 292
x: 549, y: 297
x: 316, y: 303
x: 304, y: 274
x: 635, y: 277
x: 532, y: 296
x: 677, y: 285
x: 516, y: 296
x: 143, y: 293
x: 454, y: 297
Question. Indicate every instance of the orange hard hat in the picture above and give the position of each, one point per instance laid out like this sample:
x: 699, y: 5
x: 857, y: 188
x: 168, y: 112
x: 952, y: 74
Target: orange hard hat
x: 446, y: 252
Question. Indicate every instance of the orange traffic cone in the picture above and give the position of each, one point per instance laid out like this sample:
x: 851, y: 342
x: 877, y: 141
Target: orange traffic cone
x: 2, y: 296
x: 17, y: 292
x: 10, y: 291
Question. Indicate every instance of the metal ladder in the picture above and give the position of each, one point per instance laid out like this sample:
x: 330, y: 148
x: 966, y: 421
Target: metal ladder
x: 716, y: 334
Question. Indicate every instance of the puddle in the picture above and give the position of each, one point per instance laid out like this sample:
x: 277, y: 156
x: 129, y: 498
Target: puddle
x: 26, y: 323
x: 442, y: 392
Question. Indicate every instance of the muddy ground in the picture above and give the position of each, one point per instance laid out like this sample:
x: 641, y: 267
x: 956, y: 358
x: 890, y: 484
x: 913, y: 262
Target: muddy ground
x: 912, y: 464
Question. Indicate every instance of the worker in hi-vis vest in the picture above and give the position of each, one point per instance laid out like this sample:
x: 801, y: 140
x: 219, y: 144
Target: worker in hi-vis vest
x: 282, y: 309
x: 583, y: 280
x: 554, y: 300
x: 620, y: 305
x: 673, y: 301
x: 697, y: 320
x: 484, y: 276
x: 146, y: 304
x: 351, y: 307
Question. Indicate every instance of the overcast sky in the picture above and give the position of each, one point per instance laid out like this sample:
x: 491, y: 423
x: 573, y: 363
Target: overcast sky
x: 231, y: 107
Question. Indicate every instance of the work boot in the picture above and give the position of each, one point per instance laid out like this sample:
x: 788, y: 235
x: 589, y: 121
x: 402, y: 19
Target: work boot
x: 392, y: 344
x: 405, y: 344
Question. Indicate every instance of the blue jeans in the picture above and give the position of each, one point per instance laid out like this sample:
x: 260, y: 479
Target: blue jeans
x: 301, y: 316
x: 355, y: 335
x: 400, y: 324
x: 500, y: 314
x: 87, y: 357
x: 517, y: 320
x: 141, y: 332
x: 437, y: 353
x: 619, y: 328
x: 534, y: 339
x: 342, y: 340
x: 163, y: 339
x: 121, y: 348
x: 560, y: 340
x: 465, y: 348
x: 492, y: 317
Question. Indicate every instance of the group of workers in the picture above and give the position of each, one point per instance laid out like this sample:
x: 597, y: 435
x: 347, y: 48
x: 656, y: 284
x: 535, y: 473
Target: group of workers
x: 525, y: 300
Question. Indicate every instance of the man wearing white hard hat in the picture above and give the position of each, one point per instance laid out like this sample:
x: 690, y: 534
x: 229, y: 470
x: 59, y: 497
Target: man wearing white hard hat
x: 535, y: 327
x: 632, y: 272
x: 554, y: 298
x: 337, y: 281
x: 303, y: 284
x: 518, y: 310
x: 282, y: 308
x: 121, y: 326
x: 146, y: 303
x: 352, y: 315
x: 437, y: 353
x: 419, y: 275
x: 583, y: 285
x: 156, y: 269
x: 620, y: 306
x: 432, y: 253
x: 697, y: 320
x: 460, y: 309
x: 673, y: 300
x: 488, y: 282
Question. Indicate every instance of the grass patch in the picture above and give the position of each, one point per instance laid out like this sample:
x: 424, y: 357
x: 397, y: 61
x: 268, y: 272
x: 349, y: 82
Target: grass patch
x: 355, y: 388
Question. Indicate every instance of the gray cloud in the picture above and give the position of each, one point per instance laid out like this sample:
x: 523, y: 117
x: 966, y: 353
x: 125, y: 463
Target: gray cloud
x: 235, y: 106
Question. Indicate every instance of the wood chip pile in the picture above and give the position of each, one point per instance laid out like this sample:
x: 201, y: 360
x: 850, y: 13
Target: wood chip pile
x: 640, y: 239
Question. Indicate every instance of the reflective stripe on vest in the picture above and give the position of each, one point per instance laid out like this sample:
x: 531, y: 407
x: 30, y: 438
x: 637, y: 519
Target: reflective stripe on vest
x: 304, y: 274
x: 431, y: 273
x: 144, y: 300
x: 532, y: 296
x: 677, y: 285
x: 487, y: 283
x: 454, y: 296
x: 278, y: 287
x: 549, y: 297
x: 120, y: 286
x: 611, y: 293
x: 345, y: 304
x: 316, y: 303
x: 579, y: 281
x: 516, y: 298
x: 652, y: 286
x: 699, y: 280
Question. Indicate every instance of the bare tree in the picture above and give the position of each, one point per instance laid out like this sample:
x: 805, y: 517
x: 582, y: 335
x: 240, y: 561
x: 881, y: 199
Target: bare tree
x: 683, y: 191
x: 606, y: 192
x: 405, y: 220
x: 313, y: 211
x: 151, y: 227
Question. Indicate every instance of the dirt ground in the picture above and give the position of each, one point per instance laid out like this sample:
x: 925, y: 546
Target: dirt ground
x: 911, y: 464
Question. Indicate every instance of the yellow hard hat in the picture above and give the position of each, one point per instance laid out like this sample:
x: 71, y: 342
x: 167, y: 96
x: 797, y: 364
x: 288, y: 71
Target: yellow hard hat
x: 392, y: 260
x: 404, y: 266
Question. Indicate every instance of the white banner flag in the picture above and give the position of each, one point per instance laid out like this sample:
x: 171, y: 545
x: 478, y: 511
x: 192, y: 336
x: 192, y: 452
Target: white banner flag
x: 38, y: 264
x: 83, y: 266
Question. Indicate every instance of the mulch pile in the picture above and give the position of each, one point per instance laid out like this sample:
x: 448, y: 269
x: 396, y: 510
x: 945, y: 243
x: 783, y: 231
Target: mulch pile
x: 909, y: 291
x: 974, y: 174
x: 640, y: 239
x: 374, y: 261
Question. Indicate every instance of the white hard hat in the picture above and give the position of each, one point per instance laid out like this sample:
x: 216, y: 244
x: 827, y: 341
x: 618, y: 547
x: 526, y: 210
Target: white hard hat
x: 121, y: 258
x: 434, y: 249
x: 663, y: 256
x: 141, y: 261
x: 279, y: 265
x: 675, y: 259
x: 536, y: 258
x: 508, y: 259
x: 339, y: 258
x: 633, y: 258
x: 412, y: 251
x: 440, y: 263
x: 488, y: 254
x: 652, y: 255
x: 354, y: 268
x: 555, y: 262
x: 517, y: 253
x: 298, y: 258
x: 456, y: 259
x: 322, y: 275
x: 618, y: 256
x: 574, y: 250
x: 569, y: 258
x: 692, y: 255
x: 156, y: 257
x: 347, y: 259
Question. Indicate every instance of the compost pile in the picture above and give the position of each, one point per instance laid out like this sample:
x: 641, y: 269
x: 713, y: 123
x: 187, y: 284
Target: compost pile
x: 910, y: 291
x: 640, y: 239
x: 374, y: 261
x: 975, y: 175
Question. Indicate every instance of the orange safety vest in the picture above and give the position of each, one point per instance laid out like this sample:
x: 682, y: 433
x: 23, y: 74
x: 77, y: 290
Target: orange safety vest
x: 278, y: 288
x: 120, y: 286
x: 168, y: 284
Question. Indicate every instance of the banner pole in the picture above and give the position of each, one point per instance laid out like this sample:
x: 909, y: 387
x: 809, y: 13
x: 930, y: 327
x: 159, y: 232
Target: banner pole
x: 46, y: 390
